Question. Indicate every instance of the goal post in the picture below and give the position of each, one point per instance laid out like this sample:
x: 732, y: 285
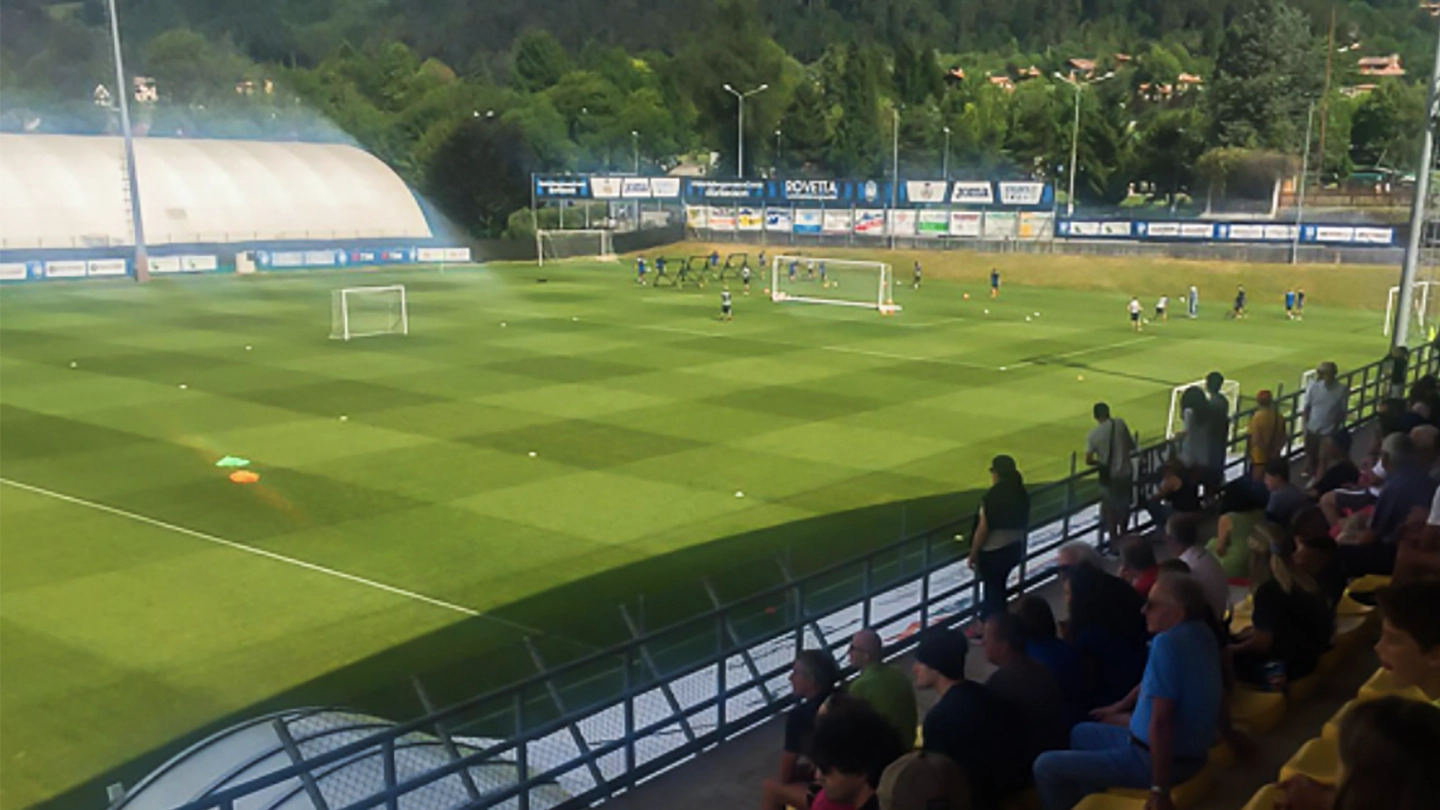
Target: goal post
x: 556, y: 245
x: 1175, y: 422
x: 357, y: 312
x: 838, y: 282
x: 1423, y: 317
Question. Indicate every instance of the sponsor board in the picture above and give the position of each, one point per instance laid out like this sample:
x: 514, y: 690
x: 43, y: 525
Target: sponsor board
x: 562, y: 187
x: 1242, y: 232
x: 665, y: 188
x: 1079, y: 228
x: 1036, y: 224
x: 1001, y: 225
x: 1162, y: 230
x: 779, y: 220
x: 971, y: 192
x: 902, y: 223
x: 14, y: 271
x: 1197, y: 230
x: 870, y: 222
x: 824, y: 190
x: 635, y: 187
x: 749, y: 219
x: 322, y: 258
x: 428, y: 254
x: 965, y: 223
x: 809, y: 220
x: 725, y: 189
x: 164, y: 264
x: 925, y: 191
x: 457, y: 254
x: 697, y: 217
x: 1021, y: 193
x: 837, y: 221
x: 1374, y: 236
x: 605, y: 188
x: 1114, y: 229
x: 1334, y: 233
x: 722, y: 219
x: 932, y: 223
x: 65, y: 269
x: 106, y: 267
x: 199, y: 264
x: 1279, y: 233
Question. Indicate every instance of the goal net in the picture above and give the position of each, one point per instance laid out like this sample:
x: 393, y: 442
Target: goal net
x: 552, y: 246
x: 1423, y: 314
x: 1175, y: 422
x: 822, y: 280
x: 357, y: 312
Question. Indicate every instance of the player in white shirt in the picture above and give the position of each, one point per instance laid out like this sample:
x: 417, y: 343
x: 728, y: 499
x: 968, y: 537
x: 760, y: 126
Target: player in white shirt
x: 727, y: 311
x: 1135, y: 310
x: 1160, y: 308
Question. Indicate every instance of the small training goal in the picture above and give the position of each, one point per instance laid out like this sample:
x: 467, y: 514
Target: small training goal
x: 1175, y: 422
x: 840, y: 282
x: 1423, y: 315
x: 557, y: 245
x: 357, y: 312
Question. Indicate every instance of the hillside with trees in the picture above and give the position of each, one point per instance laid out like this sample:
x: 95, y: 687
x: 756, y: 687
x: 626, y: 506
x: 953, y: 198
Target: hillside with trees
x: 465, y: 99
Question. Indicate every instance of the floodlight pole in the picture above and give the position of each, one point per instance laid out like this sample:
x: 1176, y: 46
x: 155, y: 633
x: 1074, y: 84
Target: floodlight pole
x: 740, y: 126
x: 1300, y: 198
x: 137, y: 223
x: 895, y: 169
x: 945, y: 161
x: 1075, y: 133
x: 1400, y: 333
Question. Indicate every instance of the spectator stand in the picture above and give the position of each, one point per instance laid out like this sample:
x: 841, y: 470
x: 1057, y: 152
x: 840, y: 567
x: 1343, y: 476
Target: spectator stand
x: 600, y: 725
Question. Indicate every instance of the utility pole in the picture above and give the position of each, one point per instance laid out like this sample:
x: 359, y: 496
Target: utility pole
x: 894, y: 169
x: 122, y: 92
x: 1400, y: 332
x: 1075, y: 133
x: 740, y: 126
x: 1300, y: 197
x: 1325, y: 94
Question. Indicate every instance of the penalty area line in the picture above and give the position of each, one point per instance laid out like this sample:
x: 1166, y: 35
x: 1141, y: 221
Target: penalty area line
x: 231, y: 544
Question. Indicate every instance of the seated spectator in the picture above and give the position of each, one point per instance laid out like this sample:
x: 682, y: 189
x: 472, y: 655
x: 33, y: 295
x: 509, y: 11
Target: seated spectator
x: 1182, y: 535
x: 1418, y: 555
x: 1179, y: 493
x: 1285, y: 498
x: 1337, y: 470
x: 1315, y: 551
x: 1388, y: 750
x: 1078, y: 552
x: 851, y: 750
x: 1174, y: 565
x: 1172, y: 715
x: 1425, y: 437
x: 1138, y: 565
x: 1409, y: 645
x: 1043, y: 644
x: 1240, y: 513
x: 924, y: 780
x: 883, y: 686
x: 968, y: 724
x: 1292, y: 622
x: 1107, y: 629
x: 1026, y: 685
x: 813, y: 679
x: 1266, y: 432
x: 1404, y: 501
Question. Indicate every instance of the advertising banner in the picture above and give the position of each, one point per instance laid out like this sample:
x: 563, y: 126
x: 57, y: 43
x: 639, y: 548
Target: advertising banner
x: 697, y: 217
x: 665, y: 188
x: 14, y: 271
x: 837, y: 221
x: 164, y: 264
x: 965, y: 223
x: 1021, y: 193
x: 106, y: 267
x: 724, y: 189
x: 1159, y: 230
x: 563, y: 187
x: 1334, y: 233
x: 932, y: 223
x: 457, y: 254
x: 808, y: 220
x: 425, y: 254
x: 322, y: 258
x: 870, y: 222
x: 1001, y: 225
x: 779, y: 220
x: 1374, y: 236
x: 902, y: 223
x: 968, y: 192
x: 605, y: 188
x: 1197, y: 230
x: 925, y: 191
x: 722, y: 219
x: 1079, y: 228
x: 635, y: 187
x: 812, y: 190
x: 205, y: 264
x: 1279, y: 233
x: 1242, y: 232
x: 749, y: 219
x: 1036, y: 224
x: 64, y: 269
x: 1116, y: 229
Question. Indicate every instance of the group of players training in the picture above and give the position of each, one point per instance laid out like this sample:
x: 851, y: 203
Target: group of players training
x: 1294, y: 306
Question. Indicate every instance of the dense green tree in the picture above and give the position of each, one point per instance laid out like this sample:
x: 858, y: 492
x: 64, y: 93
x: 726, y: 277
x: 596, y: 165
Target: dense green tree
x: 539, y: 62
x: 855, y: 149
x: 1386, y: 127
x: 494, y: 161
x: 1268, y: 71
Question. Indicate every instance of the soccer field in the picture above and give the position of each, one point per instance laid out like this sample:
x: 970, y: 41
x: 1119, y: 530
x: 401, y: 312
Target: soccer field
x: 530, y: 457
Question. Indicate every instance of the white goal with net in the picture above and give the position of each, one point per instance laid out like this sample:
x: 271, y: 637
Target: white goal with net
x: 357, y: 312
x: 553, y: 245
x: 1175, y: 422
x: 841, y: 282
x: 1423, y: 303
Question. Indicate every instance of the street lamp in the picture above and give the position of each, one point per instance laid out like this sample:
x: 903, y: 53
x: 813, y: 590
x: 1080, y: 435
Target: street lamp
x: 777, y: 151
x: 740, y: 125
x: 1075, y: 135
x: 122, y: 90
x: 945, y: 162
x: 635, y: 142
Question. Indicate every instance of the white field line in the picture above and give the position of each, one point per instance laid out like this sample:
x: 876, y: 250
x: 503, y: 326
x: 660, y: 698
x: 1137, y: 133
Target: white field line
x: 1079, y: 352
x: 309, y: 566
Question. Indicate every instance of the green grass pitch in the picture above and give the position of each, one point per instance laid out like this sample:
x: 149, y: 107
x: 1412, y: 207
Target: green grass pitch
x: 420, y: 535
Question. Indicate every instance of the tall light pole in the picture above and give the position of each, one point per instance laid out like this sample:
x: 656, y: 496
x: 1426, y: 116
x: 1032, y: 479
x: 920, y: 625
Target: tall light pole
x: 945, y: 161
x: 1300, y: 196
x: 740, y: 125
x: 122, y: 92
x: 1075, y: 133
x: 635, y: 143
x: 777, y: 151
x: 894, y: 169
x: 1400, y: 332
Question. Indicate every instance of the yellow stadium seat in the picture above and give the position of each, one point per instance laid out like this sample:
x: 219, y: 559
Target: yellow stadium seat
x: 1331, y: 731
x: 1318, y: 759
x: 1369, y: 583
x: 1110, y: 801
x: 1304, y: 688
x: 1331, y: 660
x: 1242, y: 615
x: 1221, y: 756
x: 1351, y: 630
x: 1186, y: 794
x: 1382, y: 684
x: 1264, y: 798
x: 1255, y: 711
x: 1349, y: 607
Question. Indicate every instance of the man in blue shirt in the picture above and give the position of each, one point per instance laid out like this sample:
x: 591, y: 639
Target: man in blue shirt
x: 1404, y: 502
x: 1161, y: 733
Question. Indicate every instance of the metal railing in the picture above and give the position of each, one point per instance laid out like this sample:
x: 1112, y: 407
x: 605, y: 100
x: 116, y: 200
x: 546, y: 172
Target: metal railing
x: 670, y: 694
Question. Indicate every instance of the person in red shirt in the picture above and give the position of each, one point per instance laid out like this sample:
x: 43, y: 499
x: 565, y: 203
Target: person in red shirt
x: 1138, y: 564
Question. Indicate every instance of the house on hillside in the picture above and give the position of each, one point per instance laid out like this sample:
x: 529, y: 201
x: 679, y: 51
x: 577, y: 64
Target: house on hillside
x: 1381, y: 65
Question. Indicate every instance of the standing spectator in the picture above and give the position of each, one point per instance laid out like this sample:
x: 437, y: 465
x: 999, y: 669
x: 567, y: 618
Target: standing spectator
x: 1409, y: 645
x: 1195, y: 444
x: 1326, y: 402
x: 1182, y: 534
x: 1285, y: 498
x: 1336, y: 468
x: 1108, y: 632
x: 1173, y: 715
x: 1266, y: 432
x: 882, y: 685
x: 1179, y: 493
x: 1395, y: 368
x: 1138, y: 565
x: 1026, y: 685
x: 851, y: 750
x: 999, y: 543
x: 968, y: 724
x: 1043, y: 644
x: 812, y: 678
x: 1388, y: 749
x: 1220, y: 425
x: 1240, y: 513
x: 1293, y: 623
x: 1108, y: 448
x: 1404, y: 501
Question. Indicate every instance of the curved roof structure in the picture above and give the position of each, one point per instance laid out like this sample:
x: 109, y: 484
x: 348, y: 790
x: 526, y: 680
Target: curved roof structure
x: 69, y: 191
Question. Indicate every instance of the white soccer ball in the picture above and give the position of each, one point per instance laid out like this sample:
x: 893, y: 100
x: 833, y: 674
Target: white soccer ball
x: 74, y: 364
x: 987, y: 312
x: 1002, y: 368
x: 248, y: 348
x: 344, y: 418
x: 1027, y: 318
x: 533, y: 454
x: 574, y: 319
x: 739, y: 494
x: 1037, y: 314
x: 183, y: 386
x: 502, y: 324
